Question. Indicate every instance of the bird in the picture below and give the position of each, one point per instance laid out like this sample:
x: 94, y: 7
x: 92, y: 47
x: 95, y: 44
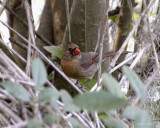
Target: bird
x: 81, y: 65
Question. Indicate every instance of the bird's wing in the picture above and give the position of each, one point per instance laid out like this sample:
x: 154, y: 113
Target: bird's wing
x: 88, y: 58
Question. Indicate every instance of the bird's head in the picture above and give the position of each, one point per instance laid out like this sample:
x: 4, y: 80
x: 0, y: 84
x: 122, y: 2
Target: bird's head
x: 73, y: 48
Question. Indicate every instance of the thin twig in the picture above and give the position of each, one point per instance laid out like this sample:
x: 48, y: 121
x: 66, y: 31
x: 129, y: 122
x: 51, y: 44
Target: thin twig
x: 154, y: 49
x: 80, y: 119
x: 95, y: 87
x: 103, y: 28
x: 51, y: 85
x: 7, y: 111
x: 130, y: 35
x: 79, y: 116
x: 4, y: 120
x: 25, y: 24
x: 31, y: 35
x: 97, y: 119
x: 11, y: 66
x: 7, y: 65
x: 8, y: 96
x: 3, y: 4
x: 68, y: 19
x: 20, y: 44
x: 13, y: 51
x: 139, y: 55
x: 149, y: 80
x: 123, y: 63
x: 18, y: 125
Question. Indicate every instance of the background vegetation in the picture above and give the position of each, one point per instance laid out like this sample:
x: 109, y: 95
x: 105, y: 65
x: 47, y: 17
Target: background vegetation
x: 35, y: 93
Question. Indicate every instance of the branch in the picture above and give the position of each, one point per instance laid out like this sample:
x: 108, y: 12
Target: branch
x: 44, y: 58
x: 130, y: 35
x: 25, y: 24
x: 31, y: 35
x: 149, y: 80
x: 14, y: 52
x: 6, y: 110
x: 68, y: 19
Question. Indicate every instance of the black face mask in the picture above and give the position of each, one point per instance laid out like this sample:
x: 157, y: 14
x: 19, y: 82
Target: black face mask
x: 72, y: 50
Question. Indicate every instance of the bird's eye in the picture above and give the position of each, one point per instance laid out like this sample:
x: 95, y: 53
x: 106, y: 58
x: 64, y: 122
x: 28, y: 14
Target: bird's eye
x: 70, y: 49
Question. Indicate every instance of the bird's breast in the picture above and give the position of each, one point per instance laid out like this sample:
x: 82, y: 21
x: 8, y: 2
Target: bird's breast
x: 69, y: 67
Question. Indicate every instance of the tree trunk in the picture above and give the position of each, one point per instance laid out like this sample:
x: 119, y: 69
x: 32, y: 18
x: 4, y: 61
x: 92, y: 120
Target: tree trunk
x: 123, y: 27
x: 18, y: 7
x: 46, y: 26
x: 59, y: 19
x: 77, y: 23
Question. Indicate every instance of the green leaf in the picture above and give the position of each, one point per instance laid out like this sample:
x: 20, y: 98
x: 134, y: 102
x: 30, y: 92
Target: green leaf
x: 114, y: 18
x: 51, y: 118
x: 98, y: 101
x: 33, y: 123
x: 141, y: 118
x: 111, y: 122
x: 39, y: 73
x: 136, y: 16
x: 68, y: 101
x: 135, y: 82
x: 152, y: 14
x: 111, y: 84
x: 48, y: 95
x: 157, y: 125
x: 89, y: 85
x: 75, y: 122
x: 16, y: 90
x: 55, y: 50
x: 50, y: 76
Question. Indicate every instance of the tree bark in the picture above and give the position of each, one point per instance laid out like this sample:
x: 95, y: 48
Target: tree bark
x: 77, y: 23
x: 46, y: 26
x: 123, y: 27
x: 95, y: 11
x: 59, y: 19
x: 18, y: 7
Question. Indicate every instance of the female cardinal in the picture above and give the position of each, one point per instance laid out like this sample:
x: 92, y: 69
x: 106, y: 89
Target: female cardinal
x: 81, y: 65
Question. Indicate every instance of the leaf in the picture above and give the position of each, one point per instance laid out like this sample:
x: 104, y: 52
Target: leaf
x: 33, y: 123
x: 16, y: 90
x: 39, y: 73
x: 98, y: 101
x: 55, y: 50
x: 136, y: 16
x: 48, y: 95
x: 141, y: 118
x: 111, y: 84
x: 157, y: 125
x: 75, y: 122
x: 89, y: 84
x: 111, y: 122
x: 68, y: 101
x: 114, y: 18
x: 50, y: 76
x: 51, y: 118
x: 135, y: 82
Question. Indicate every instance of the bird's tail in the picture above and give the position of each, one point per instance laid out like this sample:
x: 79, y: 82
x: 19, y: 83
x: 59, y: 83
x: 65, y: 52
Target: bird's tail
x: 109, y: 54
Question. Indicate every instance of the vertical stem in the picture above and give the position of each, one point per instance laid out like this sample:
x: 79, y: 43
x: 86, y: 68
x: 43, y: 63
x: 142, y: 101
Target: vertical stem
x: 103, y: 27
x: 68, y: 19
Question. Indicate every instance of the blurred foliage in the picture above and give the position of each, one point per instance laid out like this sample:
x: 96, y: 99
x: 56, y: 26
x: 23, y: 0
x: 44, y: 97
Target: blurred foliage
x: 106, y: 102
